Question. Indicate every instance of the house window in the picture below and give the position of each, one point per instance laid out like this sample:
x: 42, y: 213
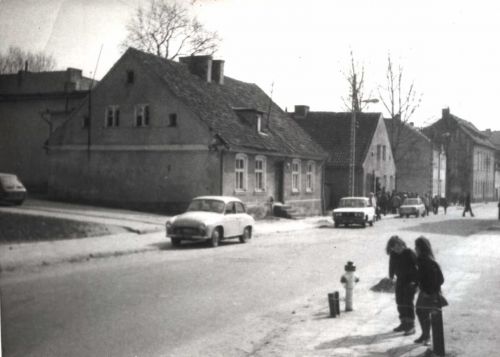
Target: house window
x: 130, y: 77
x: 172, y: 119
x: 378, y: 152
x: 295, y: 175
x: 142, y: 115
x: 260, y: 173
x: 385, y: 180
x: 112, y: 116
x: 310, y: 176
x: 86, y: 121
x: 241, y: 172
x: 383, y: 152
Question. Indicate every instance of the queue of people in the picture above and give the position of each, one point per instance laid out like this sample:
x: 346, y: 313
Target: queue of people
x: 415, y: 270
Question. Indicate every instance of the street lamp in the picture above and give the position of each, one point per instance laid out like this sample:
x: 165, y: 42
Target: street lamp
x: 352, y: 164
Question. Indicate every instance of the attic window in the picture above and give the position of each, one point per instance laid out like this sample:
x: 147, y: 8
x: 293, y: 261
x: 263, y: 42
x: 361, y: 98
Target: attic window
x: 172, y: 120
x: 130, y: 77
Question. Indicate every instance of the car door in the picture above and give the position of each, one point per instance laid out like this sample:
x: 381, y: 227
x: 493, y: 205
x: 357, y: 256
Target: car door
x: 242, y: 217
x: 231, y: 224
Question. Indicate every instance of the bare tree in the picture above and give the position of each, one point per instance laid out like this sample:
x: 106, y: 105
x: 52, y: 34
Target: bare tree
x: 356, y: 79
x: 15, y: 59
x: 167, y: 29
x: 401, y: 101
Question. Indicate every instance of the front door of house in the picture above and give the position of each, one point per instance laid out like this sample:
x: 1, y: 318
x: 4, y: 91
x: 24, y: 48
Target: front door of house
x: 278, y: 181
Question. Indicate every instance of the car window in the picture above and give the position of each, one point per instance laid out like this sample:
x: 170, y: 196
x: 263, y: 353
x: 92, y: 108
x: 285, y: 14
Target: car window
x: 239, y: 207
x: 352, y: 203
x: 412, y: 201
x: 230, y: 208
x: 206, y: 206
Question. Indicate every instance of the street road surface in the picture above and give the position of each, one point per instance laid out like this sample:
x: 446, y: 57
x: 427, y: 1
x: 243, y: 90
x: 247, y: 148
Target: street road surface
x: 178, y: 302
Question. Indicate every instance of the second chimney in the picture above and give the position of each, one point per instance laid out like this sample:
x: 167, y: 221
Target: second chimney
x: 301, y: 111
x: 200, y: 66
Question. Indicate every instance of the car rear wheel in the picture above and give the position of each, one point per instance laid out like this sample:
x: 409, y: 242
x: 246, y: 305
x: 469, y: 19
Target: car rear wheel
x: 336, y: 225
x: 247, y: 234
x: 215, y: 238
x: 175, y: 242
x: 418, y: 214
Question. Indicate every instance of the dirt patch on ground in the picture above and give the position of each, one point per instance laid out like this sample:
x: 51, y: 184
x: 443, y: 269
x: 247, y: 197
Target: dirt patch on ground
x: 28, y: 228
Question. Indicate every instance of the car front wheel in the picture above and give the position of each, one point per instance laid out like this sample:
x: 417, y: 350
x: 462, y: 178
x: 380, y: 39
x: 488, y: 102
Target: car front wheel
x: 215, y: 238
x: 247, y: 234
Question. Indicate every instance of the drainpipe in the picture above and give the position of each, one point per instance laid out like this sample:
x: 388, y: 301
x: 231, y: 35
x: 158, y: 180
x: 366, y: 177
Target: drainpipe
x: 221, y: 172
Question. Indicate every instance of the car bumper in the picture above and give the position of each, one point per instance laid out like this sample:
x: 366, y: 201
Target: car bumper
x: 13, y: 196
x: 187, y: 234
x: 349, y: 220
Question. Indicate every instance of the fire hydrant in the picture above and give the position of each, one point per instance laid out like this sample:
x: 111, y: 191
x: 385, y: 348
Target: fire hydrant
x: 348, y: 280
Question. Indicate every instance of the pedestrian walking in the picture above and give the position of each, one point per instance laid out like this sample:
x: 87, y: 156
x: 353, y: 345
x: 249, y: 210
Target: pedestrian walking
x: 467, y: 206
x: 435, y: 204
x: 430, y: 279
x: 444, y: 203
x: 403, y: 265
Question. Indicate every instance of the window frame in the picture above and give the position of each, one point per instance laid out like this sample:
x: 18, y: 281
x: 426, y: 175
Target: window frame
x: 144, y: 111
x: 114, y: 110
x: 295, y: 175
x: 262, y: 172
x: 241, y: 184
x: 310, y: 175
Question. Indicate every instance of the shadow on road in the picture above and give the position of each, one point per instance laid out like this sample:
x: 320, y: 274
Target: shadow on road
x: 460, y: 227
x: 167, y: 245
x: 358, y: 340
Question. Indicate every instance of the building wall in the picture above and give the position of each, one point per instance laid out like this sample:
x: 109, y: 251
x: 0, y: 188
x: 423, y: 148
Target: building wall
x: 304, y: 201
x: 23, y: 134
x: 459, y: 165
x: 377, y: 165
x: 483, y: 181
x: 438, y: 173
x: 159, y: 180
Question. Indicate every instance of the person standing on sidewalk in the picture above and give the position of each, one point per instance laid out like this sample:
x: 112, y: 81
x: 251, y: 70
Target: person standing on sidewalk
x: 467, y: 206
x: 403, y: 265
x: 430, y: 279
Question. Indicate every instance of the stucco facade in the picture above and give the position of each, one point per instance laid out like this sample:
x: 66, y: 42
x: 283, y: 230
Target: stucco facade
x: 31, y: 106
x: 470, y: 158
x: 142, y: 142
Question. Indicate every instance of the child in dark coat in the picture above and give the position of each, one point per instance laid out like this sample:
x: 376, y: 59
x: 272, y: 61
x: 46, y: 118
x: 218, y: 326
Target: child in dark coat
x: 403, y: 265
x: 430, y: 279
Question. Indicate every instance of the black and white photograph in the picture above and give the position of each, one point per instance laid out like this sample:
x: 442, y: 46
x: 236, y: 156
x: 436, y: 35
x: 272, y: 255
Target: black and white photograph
x: 249, y: 178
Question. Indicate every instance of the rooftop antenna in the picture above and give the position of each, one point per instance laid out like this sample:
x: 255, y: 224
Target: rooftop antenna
x: 89, y: 137
x: 270, y: 104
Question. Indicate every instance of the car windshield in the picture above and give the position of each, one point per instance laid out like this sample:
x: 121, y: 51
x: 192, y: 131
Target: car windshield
x: 9, y: 180
x: 352, y: 202
x: 206, y: 206
x: 411, y: 201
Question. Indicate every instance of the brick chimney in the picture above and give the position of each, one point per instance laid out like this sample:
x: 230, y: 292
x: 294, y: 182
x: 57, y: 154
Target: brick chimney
x: 301, y: 111
x: 446, y: 113
x: 200, y: 66
x: 218, y: 71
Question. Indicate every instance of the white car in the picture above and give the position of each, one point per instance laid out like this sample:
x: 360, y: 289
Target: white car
x: 211, y: 218
x: 412, y: 206
x: 354, y: 210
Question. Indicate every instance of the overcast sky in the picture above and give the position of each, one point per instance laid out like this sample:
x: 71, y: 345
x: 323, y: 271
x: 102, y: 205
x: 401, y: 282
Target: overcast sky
x: 450, y: 49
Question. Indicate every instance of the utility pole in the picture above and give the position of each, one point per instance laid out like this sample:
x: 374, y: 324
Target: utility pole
x: 352, y: 156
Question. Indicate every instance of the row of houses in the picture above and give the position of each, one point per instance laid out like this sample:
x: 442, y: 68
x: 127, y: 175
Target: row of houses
x: 153, y: 133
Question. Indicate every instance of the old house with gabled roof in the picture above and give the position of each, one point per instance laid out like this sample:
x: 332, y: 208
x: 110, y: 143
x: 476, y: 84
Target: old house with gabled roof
x: 32, y: 105
x: 470, y: 157
x: 373, y: 163
x: 157, y: 133
x: 420, y: 163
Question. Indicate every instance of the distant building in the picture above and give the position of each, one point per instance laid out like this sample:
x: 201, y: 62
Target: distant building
x: 420, y: 163
x: 494, y: 137
x: 32, y: 105
x: 374, y: 165
x: 470, y: 157
x: 159, y: 132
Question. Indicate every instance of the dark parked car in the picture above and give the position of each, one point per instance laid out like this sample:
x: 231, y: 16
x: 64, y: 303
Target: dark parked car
x: 11, y: 189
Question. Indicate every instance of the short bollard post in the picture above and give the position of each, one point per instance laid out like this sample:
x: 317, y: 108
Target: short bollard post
x: 349, y: 279
x: 437, y: 333
x: 333, y: 302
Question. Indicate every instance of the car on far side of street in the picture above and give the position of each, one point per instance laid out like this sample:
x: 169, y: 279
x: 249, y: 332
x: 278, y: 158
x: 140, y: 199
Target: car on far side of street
x: 412, y: 207
x: 354, y: 210
x: 211, y: 218
x: 11, y: 189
